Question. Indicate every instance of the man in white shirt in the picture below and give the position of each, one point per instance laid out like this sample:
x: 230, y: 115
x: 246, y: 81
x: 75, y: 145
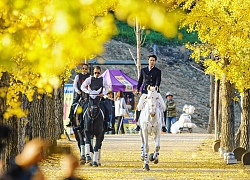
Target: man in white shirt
x: 94, y: 83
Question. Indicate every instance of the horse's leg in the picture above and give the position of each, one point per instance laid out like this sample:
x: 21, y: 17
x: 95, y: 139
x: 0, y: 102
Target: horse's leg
x: 157, y: 142
x: 80, y: 138
x: 157, y: 146
x: 99, y: 151
x: 87, y: 149
x: 82, y: 147
x: 99, y: 139
x: 142, y: 147
x: 146, y: 160
x: 99, y: 157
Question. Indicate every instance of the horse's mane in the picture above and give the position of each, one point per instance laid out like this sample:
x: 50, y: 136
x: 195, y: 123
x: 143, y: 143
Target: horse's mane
x: 143, y: 100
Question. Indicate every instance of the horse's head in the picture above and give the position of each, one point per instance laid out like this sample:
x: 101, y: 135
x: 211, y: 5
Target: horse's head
x: 152, y: 99
x: 94, y: 104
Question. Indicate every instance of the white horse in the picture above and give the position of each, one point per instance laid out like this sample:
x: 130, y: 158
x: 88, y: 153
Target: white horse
x: 151, y: 123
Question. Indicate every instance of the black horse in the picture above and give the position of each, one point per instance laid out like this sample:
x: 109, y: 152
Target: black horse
x: 79, y: 133
x: 93, y: 127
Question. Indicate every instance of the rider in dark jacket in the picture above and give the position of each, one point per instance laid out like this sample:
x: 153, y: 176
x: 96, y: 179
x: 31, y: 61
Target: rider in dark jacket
x: 149, y: 76
x: 79, y: 79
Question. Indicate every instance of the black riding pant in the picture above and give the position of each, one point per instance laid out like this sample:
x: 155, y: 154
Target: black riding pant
x: 137, y: 115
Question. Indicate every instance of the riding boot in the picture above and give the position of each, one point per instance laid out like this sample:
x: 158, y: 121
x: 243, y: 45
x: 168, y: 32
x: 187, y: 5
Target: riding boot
x: 137, y: 115
x: 164, y: 129
x: 71, y: 115
x: 164, y: 122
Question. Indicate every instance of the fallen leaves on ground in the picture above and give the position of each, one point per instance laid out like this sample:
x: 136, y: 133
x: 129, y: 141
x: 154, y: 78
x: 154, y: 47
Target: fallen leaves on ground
x: 181, y: 157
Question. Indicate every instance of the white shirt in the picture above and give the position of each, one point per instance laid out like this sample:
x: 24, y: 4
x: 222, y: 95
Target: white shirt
x: 75, y: 83
x: 87, y: 82
x: 149, y: 69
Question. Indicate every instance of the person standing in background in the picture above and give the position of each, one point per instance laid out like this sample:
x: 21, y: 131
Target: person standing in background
x: 170, y: 112
x: 109, y: 101
x: 120, y: 111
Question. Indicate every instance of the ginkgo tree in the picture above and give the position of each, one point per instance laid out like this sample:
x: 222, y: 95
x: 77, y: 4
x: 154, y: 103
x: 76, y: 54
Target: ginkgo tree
x: 41, y: 41
x: 223, y: 28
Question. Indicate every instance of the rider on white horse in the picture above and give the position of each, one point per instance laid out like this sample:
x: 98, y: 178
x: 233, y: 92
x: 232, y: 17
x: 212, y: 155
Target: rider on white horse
x: 149, y: 76
x: 151, y: 118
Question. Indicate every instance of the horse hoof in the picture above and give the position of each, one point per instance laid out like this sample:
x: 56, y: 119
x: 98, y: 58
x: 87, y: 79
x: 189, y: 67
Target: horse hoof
x: 88, y: 159
x: 142, y: 158
x: 146, y: 167
x: 156, y: 161
x: 99, y: 164
x: 88, y: 164
x: 83, y: 158
x: 82, y: 162
x: 95, y: 164
x: 151, y: 157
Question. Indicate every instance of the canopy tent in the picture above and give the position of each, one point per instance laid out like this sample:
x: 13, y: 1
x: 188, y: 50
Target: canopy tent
x: 119, y: 81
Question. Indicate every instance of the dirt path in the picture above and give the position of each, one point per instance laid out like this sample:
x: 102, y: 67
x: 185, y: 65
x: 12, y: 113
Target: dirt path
x: 182, y: 156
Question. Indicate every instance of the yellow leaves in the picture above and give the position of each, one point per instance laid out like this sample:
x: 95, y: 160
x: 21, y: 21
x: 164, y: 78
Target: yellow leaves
x: 236, y: 99
x: 150, y: 15
x: 19, y: 4
x: 6, y: 40
x: 3, y: 92
x: 14, y: 109
x: 60, y: 25
x: 52, y: 37
x: 178, y: 159
x: 224, y: 25
x: 87, y: 2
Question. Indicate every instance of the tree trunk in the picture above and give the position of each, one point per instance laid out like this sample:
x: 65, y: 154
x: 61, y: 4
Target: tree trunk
x: 50, y: 120
x: 244, y: 135
x: 36, y: 117
x: 219, y: 110
x: 227, y: 128
x: 11, y: 148
x: 238, y: 133
x: 211, y: 114
x: 237, y: 137
x: 216, y: 109
x: 59, y: 95
x: 138, y: 46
